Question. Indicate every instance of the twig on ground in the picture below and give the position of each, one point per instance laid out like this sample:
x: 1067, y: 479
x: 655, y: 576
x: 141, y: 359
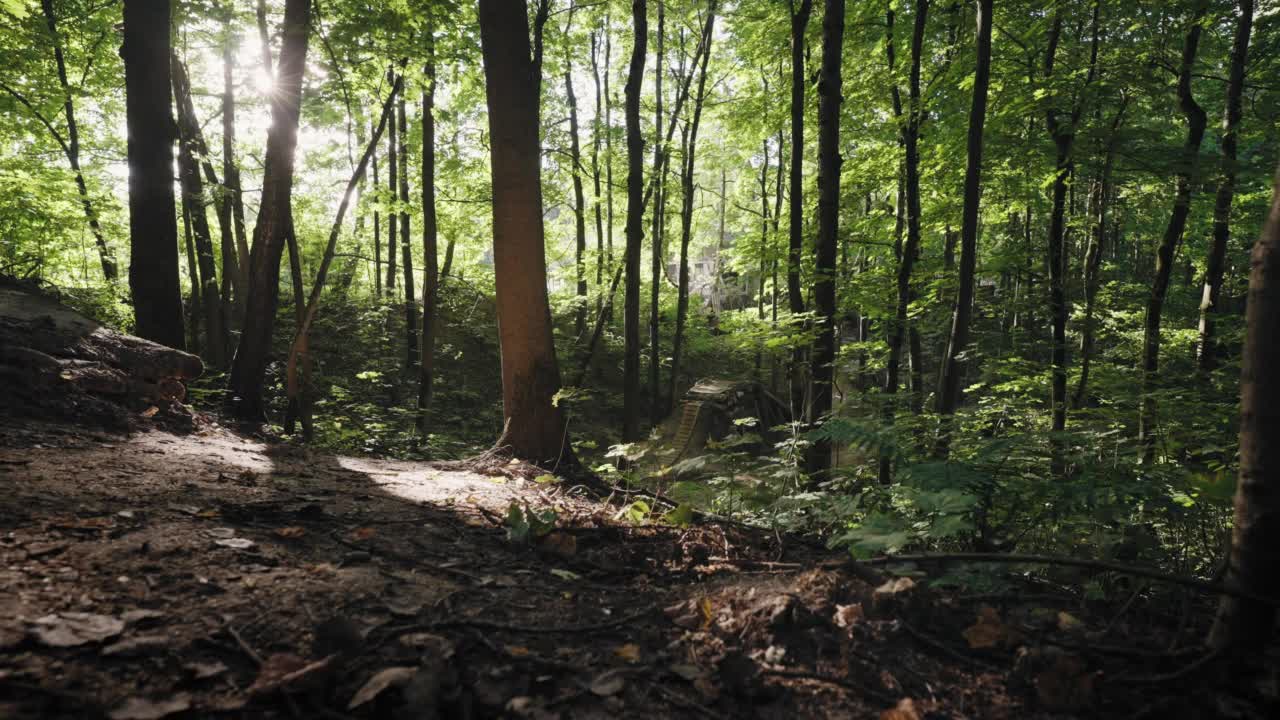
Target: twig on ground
x: 946, y: 649
x: 1180, y: 673
x: 832, y: 680
x: 235, y: 635
x: 509, y: 627
x: 676, y: 699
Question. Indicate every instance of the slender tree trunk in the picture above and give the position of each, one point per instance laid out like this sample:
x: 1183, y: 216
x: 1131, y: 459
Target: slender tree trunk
x: 239, y: 271
x: 795, y: 207
x: 958, y: 340
x: 377, y: 230
x: 194, y: 275
x: 1093, y: 257
x: 579, y: 205
x: 71, y: 148
x: 602, y: 318
x: 635, y: 225
x: 1062, y: 132
x: 393, y: 186
x: 275, y: 218
x: 534, y: 427
x: 608, y: 153
x: 1208, y: 351
x: 764, y: 236
x: 595, y: 170
x: 430, y: 231
x: 910, y: 191
x: 153, y: 225
x: 659, y: 208
x: 1196, y: 123
x: 193, y: 198
x: 686, y: 210
x: 264, y: 37
x: 824, y: 287
x: 297, y: 387
x: 1244, y: 628
x: 410, y: 303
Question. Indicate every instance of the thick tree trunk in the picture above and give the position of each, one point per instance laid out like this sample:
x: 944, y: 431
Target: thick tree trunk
x: 534, y: 427
x: 579, y: 206
x: 910, y: 251
x: 275, y: 219
x: 635, y: 225
x: 1244, y: 628
x: 1196, y: 122
x: 153, y: 225
x: 71, y: 148
x: 949, y: 397
x: 795, y: 206
x: 430, y: 240
x: 686, y: 209
x: 193, y: 199
x: 818, y: 462
x: 1208, y: 349
x: 410, y: 304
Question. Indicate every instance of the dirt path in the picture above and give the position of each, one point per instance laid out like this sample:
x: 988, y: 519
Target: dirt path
x: 211, y: 575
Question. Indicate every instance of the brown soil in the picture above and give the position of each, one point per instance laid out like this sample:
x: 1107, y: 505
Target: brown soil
x: 231, y: 577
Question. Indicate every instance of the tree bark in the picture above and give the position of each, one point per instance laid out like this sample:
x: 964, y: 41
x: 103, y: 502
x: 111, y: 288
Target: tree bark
x: 194, y: 275
x: 910, y: 251
x: 534, y: 426
x: 659, y: 207
x: 153, y: 225
x: 1208, y: 351
x: 71, y: 148
x: 410, y: 304
x: 686, y: 209
x: 635, y: 225
x: 1244, y: 628
x: 377, y: 230
x: 393, y: 187
x: 579, y: 204
x: 595, y: 170
x: 959, y: 337
x: 430, y: 241
x: 239, y: 270
x: 818, y: 462
x: 1186, y: 173
x: 275, y: 219
x: 193, y: 198
x: 795, y: 206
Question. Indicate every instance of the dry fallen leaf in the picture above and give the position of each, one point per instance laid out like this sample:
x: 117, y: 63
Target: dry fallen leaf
x: 140, y: 645
x: 893, y: 588
x: 629, y: 652
x: 291, y: 532
x: 988, y: 631
x: 138, y: 708
x: 363, y: 533
x: 904, y: 710
x: 1068, y: 622
x: 518, y: 651
x: 69, y: 629
x: 608, y: 683
x: 848, y: 615
x: 688, y: 672
x: 205, y: 670
x: 283, y: 671
x: 560, y: 544
x: 381, y: 680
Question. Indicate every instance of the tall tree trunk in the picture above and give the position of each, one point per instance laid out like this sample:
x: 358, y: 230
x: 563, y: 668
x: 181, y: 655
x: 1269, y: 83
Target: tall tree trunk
x: 1208, y: 350
x: 795, y: 206
x: 764, y: 236
x: 595, y: 170
x: 686, y: 209
x: 608, y: 153
x: 579, y: 205
x: 194, y: 275
x: 430, y: 231
x: 71, y: 148
x: 239, y: 271
x: 275, y: 218
x: 410, y: 304
x: 635, y: 225
x: 949, y: 398
x: 534, y: 427
x: 1063, y: 132
x: 297, y: 387
x: 193, y: 197
x: 393, y: 187
x: 1196, y: 123
x: 377, y: 230
x: 659, y: 208
x: 824, y: 287
x: 153, y: 225
x: 910, y: 187
x: 1244, y: 628
x: 1093, y: 257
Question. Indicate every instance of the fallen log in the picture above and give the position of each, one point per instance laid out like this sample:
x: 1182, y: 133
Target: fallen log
x: 56, y: 363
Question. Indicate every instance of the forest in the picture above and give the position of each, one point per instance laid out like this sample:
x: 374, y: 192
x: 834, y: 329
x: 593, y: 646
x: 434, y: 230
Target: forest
x: 639, y: 358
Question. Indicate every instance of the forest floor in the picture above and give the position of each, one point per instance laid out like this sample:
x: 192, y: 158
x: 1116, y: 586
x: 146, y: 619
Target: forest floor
x: 218, y: 575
